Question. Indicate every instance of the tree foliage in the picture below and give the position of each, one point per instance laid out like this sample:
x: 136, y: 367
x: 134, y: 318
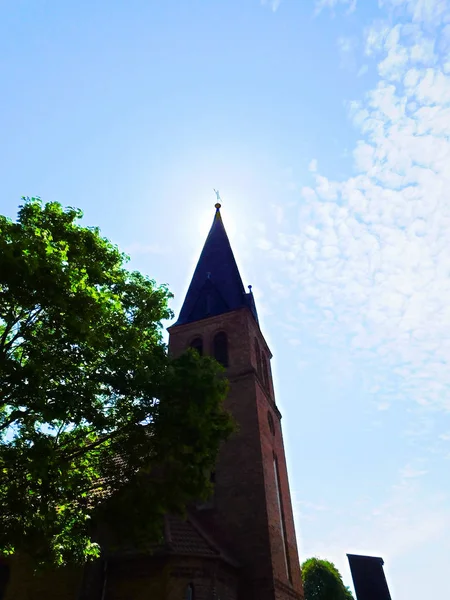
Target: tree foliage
x: 322, y: 581
x: 95, y: 416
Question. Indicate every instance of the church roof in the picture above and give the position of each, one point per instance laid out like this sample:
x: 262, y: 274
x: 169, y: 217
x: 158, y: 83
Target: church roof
x: 216, y: 285
x: 188, y: 537
x: 182, y: 537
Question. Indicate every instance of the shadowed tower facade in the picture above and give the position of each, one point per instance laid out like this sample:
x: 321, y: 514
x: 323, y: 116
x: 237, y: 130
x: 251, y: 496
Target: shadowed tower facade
x: 250, y: 515
x: 240, y: 545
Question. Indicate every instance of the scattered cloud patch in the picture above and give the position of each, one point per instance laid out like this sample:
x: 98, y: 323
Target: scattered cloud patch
x: 273, y: 4
x: 371, y: 252
x: 420, y: 11
x: 320, y: 5
x: 313, y: 166
x: 382, y: 406
x: 368, y: 260
x: 347, y: 47
x: 409, y: 472
x: 362, y: 70
x: 138, y: 249
x: 345, y: 44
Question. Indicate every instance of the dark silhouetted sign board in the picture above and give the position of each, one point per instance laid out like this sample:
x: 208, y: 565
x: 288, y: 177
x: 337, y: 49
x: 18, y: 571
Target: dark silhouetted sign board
x: 368, y: 577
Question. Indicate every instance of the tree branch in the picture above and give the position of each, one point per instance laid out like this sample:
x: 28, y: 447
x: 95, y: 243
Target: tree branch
x: 98, y: 442
x: 13, y: 417
x: 23, y: 328
x: 8, y: 328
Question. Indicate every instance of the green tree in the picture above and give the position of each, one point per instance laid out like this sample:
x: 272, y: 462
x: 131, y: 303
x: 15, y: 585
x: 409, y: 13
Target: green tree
x: 95, y: 416
x: 322, y: 581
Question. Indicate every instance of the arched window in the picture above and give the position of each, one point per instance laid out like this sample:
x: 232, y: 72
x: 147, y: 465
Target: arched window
x: 258, y: 358
x: 271, y: 422
x: 197, y: 344
x: 189, y: 594
x: 265, y: 372
x: 221, y: 348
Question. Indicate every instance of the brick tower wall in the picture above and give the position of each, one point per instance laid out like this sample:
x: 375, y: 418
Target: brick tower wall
x: 246, y: 513
x: 272, y: 446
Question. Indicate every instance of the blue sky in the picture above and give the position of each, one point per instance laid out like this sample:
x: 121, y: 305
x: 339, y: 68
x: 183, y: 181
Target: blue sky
x: 325, y: 125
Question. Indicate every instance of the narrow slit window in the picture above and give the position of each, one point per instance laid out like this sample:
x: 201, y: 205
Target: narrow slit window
x: 189, y: 594
x: 265, y: 372
x: 282, y: 521
x: 258, y: 358
x: 221, y: 348
x: 271, y: 422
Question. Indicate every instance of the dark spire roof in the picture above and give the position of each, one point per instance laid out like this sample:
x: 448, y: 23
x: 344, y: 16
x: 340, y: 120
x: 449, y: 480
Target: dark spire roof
x: 216, y: 286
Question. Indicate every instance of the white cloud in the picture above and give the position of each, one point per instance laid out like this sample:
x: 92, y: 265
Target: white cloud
x: 138, y: 249
x: 383, y: 406
x: 320, y: 5
x: 345, y: 44
x: 372, y: 251
x: 422, y: 11
x: 375, y: 38
x: 362, y: 70
x: 401, y: 45
x: 347, y: 47
x: 273, y: 4
x: 313, y: 165
x: 371, y: 264
x: 409, y: 472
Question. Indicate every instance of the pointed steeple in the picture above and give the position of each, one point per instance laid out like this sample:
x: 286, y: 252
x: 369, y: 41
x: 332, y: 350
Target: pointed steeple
x: 216, y: 286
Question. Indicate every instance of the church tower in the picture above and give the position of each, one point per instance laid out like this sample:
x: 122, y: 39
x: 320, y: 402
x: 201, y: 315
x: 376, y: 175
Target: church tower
x: 250, y: 513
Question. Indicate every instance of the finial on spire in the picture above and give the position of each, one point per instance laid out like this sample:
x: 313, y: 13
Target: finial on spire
x: 217, y: 193
x: 250, y: 288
